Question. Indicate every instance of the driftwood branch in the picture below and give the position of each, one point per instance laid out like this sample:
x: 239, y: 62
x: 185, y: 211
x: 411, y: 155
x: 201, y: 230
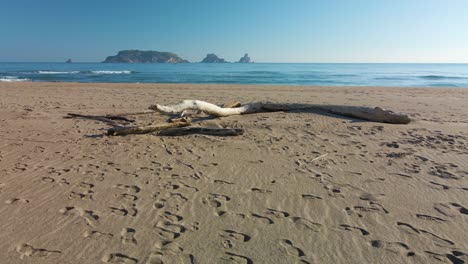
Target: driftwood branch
x: 376, y: 114
x: 108, y: 119
x: 121, y: 131
x: 183, y: 131
x: 208, y: 108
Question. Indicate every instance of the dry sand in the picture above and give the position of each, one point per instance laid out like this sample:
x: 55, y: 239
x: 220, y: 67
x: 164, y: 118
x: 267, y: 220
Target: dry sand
x: 382, y: 194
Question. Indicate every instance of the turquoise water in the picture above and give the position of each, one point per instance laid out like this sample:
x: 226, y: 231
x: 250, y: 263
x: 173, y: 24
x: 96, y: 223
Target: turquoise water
x: 402, y: 75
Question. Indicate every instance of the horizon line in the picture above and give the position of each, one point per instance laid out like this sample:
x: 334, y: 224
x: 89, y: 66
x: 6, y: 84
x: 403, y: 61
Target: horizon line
x: 241, y: 63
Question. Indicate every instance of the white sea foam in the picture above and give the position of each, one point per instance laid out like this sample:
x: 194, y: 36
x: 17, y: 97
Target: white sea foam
x: 12, y: 79
x: 111, y: 72
x: 58, y: 72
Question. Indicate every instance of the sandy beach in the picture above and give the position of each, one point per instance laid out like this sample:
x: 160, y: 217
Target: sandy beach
x: 296, y: 187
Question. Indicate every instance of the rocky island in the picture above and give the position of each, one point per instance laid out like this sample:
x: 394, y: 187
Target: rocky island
x: 149, y: 56
x: 212, y: 58
x: 245, y: 59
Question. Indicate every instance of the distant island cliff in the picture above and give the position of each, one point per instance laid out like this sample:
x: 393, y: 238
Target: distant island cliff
x: 245, y: 59
x: 212, y: 58
x: 149, y: 56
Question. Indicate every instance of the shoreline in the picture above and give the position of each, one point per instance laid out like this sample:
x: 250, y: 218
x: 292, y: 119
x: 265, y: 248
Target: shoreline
x: 234, y: 84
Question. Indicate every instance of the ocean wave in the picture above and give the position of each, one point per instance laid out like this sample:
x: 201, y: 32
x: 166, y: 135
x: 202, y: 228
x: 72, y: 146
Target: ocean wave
x: 13, y: 79
x: 392, y: 78
x: 440, y: 77
x: 443, y: 85
x: 343, y: 75
x: 111, y: 72
x: 262, y: 72
x: 58, y: 72
x: 82, y: 72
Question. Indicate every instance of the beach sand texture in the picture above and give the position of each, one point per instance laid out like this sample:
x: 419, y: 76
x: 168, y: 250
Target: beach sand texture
x: 382, y: 193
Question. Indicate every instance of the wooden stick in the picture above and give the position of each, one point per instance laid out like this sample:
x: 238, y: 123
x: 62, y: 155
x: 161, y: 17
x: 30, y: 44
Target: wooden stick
x: 319, y: 157
x: 182, y: 131
x: 121, y: 131
x: 105, y: 118
x: 98, y: 117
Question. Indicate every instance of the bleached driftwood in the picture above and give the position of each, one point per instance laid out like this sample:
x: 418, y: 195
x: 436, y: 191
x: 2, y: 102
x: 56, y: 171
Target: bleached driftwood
x: 376, y: 114
x: 182, y: 131
x: 121, y: 131
x: 208, y: 108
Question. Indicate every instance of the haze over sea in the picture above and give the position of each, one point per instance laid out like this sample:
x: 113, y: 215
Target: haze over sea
x: 396, y: 75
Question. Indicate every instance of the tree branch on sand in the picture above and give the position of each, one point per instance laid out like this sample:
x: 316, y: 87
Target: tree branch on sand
x: 121, y: 131
x: 183, y: 131
x: 108, y: 119
x: 376, y: 114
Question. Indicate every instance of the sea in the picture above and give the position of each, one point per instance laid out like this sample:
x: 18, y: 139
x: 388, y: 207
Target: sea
x: 322, y: 74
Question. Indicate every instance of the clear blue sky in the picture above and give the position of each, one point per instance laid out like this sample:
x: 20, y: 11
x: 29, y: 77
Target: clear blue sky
x: 269, y: 30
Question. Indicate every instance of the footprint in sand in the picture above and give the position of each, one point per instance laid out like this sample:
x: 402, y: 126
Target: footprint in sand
x: 215, y: 200
x: 169, y: 216
x: 306, y: 223
x: 119, y: 258
x: 48, y: 179
x: 159, y: 257
x: 83, y: 195
x: 437, y: 240
x: 222, y: 182
x: 237, y: 236
x: 354, y: 229
x: 440, y: 186
x: 311, y: 197
x: 450, y: 209
x: 291, y: 249
x: 26, y: 250
x: 444, y: 172
x: 258, y: 190
x: 264, y: 219
x: 430, y: 218
x: 395, y: 247
x: 169, y: 247
x: 63, y: 182
x: 127, y: 198
x: 276, y: 213
x: 159, y: 203
x: 97, y: 235
x: 231, y: 258
x: 372, y: 207
x: 129, y: 188
x: 16, y: 201
x: 169, y: 252
x: 169, y: 230
x: 125, y: 210
x: 89, y: 216
x: 128, y: 236
x: 371, y: 197
x: 455, y: 257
